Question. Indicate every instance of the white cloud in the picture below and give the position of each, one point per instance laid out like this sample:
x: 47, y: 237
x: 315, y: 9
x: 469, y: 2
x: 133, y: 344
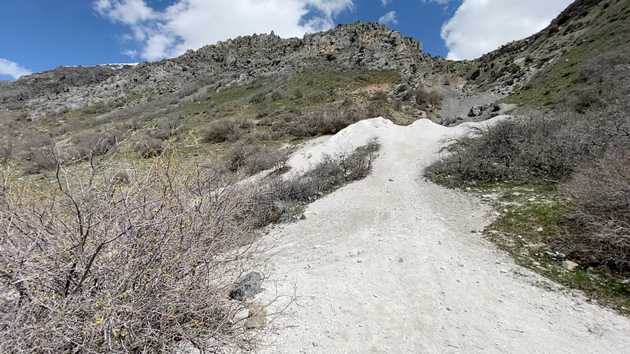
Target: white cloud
x: 125, y: 11
x: 190, y: 24
x: 14, y: 70
x: 389, y: 18
x: 480, y: 26
x: 385, y: 2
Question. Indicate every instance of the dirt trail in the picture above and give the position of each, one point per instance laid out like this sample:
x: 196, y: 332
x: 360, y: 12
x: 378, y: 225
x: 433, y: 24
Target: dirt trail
x: 389, y: 265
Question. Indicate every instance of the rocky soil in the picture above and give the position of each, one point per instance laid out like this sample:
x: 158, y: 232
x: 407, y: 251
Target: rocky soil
x: 395, y: 264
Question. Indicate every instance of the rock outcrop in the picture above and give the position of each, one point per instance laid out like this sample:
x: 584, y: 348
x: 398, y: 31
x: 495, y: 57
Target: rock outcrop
x: 365, y: 46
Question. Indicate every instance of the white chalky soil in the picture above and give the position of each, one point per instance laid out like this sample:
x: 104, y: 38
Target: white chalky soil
x: 389, y: 264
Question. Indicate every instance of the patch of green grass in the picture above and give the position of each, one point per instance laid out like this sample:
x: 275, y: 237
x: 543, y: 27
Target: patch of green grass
x: 531, y: 215
x: 536, y: 221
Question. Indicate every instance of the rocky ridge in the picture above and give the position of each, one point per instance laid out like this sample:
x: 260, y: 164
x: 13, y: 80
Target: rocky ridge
x: 236, y: 61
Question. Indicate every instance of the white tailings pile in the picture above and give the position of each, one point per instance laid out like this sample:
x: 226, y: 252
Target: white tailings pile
x: 390, y: 264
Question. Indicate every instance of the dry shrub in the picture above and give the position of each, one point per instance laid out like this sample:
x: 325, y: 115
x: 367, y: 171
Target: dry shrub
x: 329, y: 175
x: 165, y: 128
x: 588, y: 156
x: 148, y: 147
x: 250, y: 157
x: 602, y: 80
x: 279, y: 199
x: 325, y: 122
x: 585, y: 100
x: 93, y: 144
x: 426, y: 98
x: 600, y: 192
x: 258, y: 98
x: 36, y: 152
x: 542, y: 147
x: 6, y: 148
x: 379, y: 96
x: 101, y: 267
x: 222, y: 130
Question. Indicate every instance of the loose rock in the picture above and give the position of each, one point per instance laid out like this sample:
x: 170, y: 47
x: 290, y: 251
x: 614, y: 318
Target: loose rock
x: 570, y: 266
x: 247, y: 287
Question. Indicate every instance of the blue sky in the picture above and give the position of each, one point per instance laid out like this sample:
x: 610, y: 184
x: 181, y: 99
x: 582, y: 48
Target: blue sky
x: 37, y: 35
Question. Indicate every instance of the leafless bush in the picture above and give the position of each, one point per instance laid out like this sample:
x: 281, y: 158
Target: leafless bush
x: 148, y: 147
x: 585, y: 100
x: 94, y: 143
x: 602, y: 80
x: 544, y: 147
x: 329, y: 175
x: 6, y: 148
x: 379, y: 96
x: 258, y: 98
x: 165, y: 128
x: 280, y: 198
x: 322, y: 122
x: 220, y: 131
x: 588, y: 156
x: 600, y: 192
x: 101, y: 267
x: 250, y: 157
x: 426, y: 98
x: 97, y: 108
x: 276, y: 96
x: 36, y: 152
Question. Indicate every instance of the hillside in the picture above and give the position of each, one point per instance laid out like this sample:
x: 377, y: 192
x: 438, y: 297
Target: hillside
x: 259, y: 87
x: 340, y: 192
x: 556, y: 66
x: 275, y: 86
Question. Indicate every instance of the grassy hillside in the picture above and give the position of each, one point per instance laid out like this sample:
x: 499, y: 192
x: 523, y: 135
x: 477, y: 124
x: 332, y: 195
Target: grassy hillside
x: 582, y: 73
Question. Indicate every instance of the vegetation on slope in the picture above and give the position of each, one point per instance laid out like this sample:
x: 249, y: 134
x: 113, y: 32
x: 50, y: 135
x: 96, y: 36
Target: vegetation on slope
x: 207, y: 123
x: 579, y: 152
x: 580, y: 75
x: 140, y: 260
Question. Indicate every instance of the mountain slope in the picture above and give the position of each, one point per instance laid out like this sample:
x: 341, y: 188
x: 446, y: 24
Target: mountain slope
x: 233, y: 62
x: 552, y: 66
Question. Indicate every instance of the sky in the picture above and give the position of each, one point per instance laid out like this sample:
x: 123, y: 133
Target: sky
x: 39, y: 35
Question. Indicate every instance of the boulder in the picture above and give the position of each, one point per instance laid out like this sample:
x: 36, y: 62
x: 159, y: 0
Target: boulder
x: 247, y: 286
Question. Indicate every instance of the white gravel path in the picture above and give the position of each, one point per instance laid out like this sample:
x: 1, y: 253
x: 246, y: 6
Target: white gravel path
x: 389, y: 265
